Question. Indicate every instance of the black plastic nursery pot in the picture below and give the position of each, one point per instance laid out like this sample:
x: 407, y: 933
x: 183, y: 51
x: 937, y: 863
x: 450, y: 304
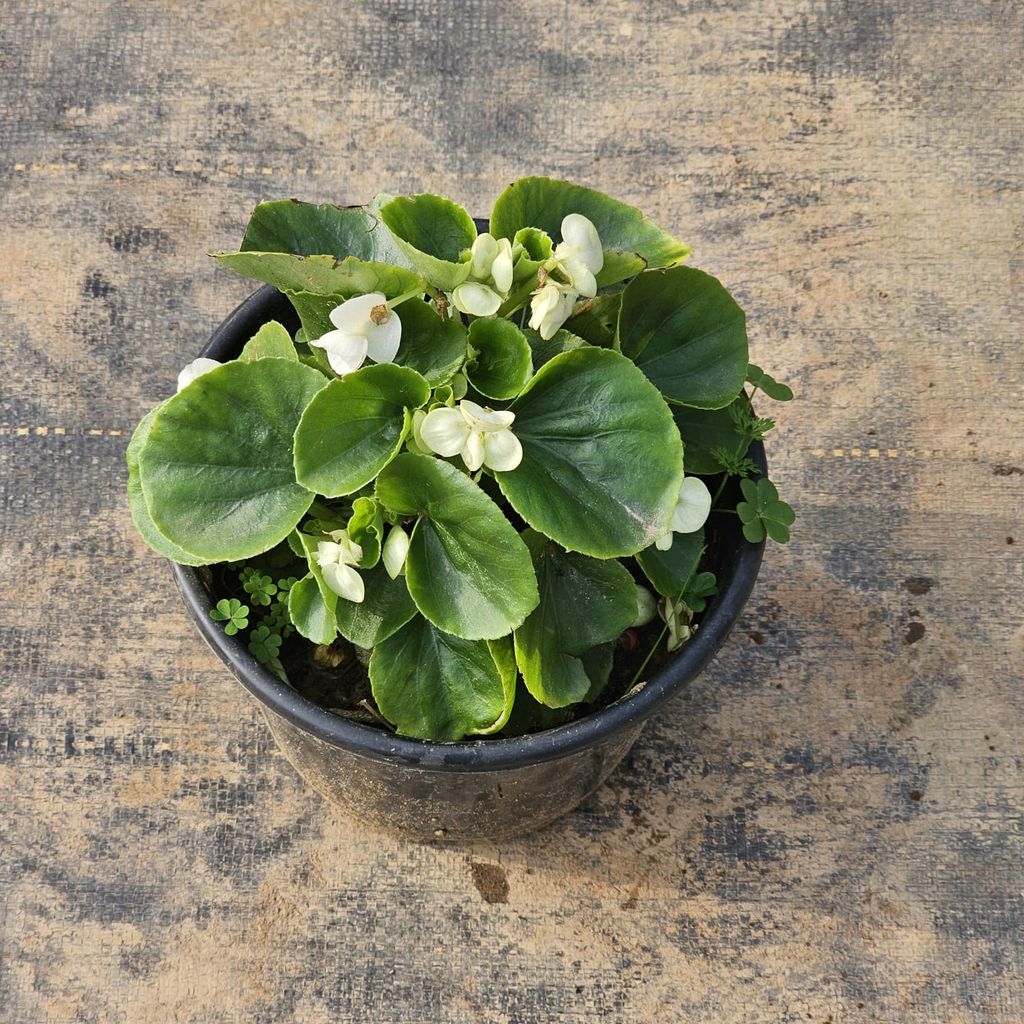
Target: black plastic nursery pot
x: 484, y: 788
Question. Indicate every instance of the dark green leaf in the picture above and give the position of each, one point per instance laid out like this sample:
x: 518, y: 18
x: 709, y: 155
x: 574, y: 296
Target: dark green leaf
x: 385, y: 608
x: 503, y: 363
x: 768, y: 384
x: 271, y: 341
x: 583, y: 602
x: 355, y: 426
x: 217, y: 468
x: 434, y: 234
x: 670, y: 572
x: 436, y: 686
x: 467, y: 569
x: 310, y: 615
x: 544, y: 351
x: 595, y: 320
x: 685, y: 331
x: 602, y: 460
x: 703, y: 430
x: 433, y: 347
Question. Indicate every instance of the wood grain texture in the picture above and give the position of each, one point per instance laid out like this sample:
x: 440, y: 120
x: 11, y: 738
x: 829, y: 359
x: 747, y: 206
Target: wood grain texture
x: 828, y: 826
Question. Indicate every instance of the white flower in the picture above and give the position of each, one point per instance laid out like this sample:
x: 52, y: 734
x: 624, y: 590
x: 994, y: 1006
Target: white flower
x: 491, y: 268
x: 366, y: 327
x: 196, y: 369
x: 550, y: 307
x: 677, y: 616
x: 691, y: 512
x: 481, y: 436
x: 476, y: 298
x: 336, y: 559
x: 646, y: 607
x: 579, y: 255
x: 395, y: 550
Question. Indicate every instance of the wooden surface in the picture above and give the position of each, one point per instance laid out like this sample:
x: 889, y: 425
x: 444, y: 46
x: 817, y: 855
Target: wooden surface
x: 828, y: 826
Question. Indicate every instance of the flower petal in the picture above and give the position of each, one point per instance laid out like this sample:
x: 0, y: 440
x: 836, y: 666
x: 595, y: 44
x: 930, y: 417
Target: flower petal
x: 354, y: 314
x: 664, y: 542
x: 195, y: 369
x: 345, y: 352
x: 382, y: 340
x: 345, y: 582
x: 480, y: 418
x: 582, y: 236
x: 473, y: 451
x: 327, y: 551
x: 396, y: 547
x: 501, y: 268
x: 502, y: 451
x: 693, y: 506
x: 476, y: 299
x: 485, y: 248
x: 444, y: 431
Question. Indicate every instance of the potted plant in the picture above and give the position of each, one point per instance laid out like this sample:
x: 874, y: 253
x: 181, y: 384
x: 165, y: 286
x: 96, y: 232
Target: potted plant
x: 461, y: 503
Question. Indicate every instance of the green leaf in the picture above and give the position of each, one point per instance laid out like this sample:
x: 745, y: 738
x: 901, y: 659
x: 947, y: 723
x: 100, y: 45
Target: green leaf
x: 271, y: 341
x: 544, y: 202
x: 596, y: 320
x: 385, y: 608
x: 503, y: 363
x: 309, y: 613
x: 686, y: 332
x: 544, y: 351
x: 431, y: 346
x: 768, y: 384
x: 583, y: 602
x: 536, y: 251
x: 703, y: 430
x: 355, y: 426
x: 322, y: 275
x: 366, y: 528
x: 305, y: 229
x: 467, y: 569
x: 504, y: 657
x: 762, y: 512
x: 670, y: 572
x: 137, y: 501
x: 217, y: 468
x: 328, y: 597
x: 436, y: 686
x: 435, y: 234
x: 597, y: 663
x: 602, y: 460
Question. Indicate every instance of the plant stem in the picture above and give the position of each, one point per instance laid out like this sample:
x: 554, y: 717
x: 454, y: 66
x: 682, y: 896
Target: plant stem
x: 405, y: 296
x: 650, y: 654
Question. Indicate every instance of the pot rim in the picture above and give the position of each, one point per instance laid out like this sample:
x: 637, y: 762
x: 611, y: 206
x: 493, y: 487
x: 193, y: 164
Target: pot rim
x: 481, y: 754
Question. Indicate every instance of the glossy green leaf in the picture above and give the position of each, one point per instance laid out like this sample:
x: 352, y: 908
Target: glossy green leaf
x: 583, y: 602
x: 705, y: 429
x: 544, y: 202
x: 504, y: 657
x: 544, y: 351
x: 385, y: 608
x: 602, y: 460
x: 271, y: 341
x: 366, y: 528
x: 137, y: 501
x: 436, y: 686
x: 355, y: 426
x: 431, y: 346
x: 467, y: 569
x: 670, y: 572
x: 306, y: 229
x: 687, y: 334
x: 322, y: 275
x: 503, y: 363
x: 435, y: 234
x: 309, y: 612
x: 217, y: 468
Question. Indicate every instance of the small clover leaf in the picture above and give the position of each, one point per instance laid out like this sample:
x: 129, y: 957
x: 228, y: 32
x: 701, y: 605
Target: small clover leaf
x: 279, y: 620
x: 264, y: 644
x: 260, y: 588
x: 768, y: 384
x: 247, y: 574
x: 232, y: 613
x: 285, y: 585
x: 700, y: 589
x: 763, y: 513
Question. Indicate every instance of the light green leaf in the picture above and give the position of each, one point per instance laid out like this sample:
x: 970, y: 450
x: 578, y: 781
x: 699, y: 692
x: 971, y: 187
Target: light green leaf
x: 305, y: 229
x: 309, y: 612
x: 602, y: 460
x: 322, y: 275
x: 310, y: 546
x: 217, y: 468
x: 504, y: 657
x: 544, y: 202
x: 434, y: 347
x: 355, y: 426
x: 366, y: 528
x: 435, y: 234
x: 467, y: 569
x: 271, y: 341
x: 670, y: 572
x: 137, y: 501
x: 385, y: 608
x: 537, y: 250
x: 436, y: 686
x: 583, y: 602
x: 687, y: 334
x: 503, y: 363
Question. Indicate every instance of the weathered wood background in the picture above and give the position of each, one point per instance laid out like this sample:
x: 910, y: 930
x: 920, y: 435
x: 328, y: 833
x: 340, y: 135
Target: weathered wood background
x: 828, y: 826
